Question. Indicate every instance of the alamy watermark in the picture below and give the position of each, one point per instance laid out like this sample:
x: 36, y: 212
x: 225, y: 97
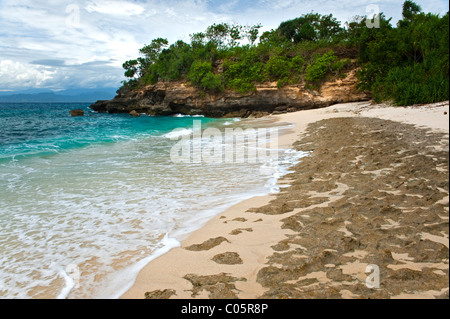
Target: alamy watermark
x: 373, y: 279
x: 373, y: 16
x: 73, y: 15
x: 73, y: 274
x: 234, y: 145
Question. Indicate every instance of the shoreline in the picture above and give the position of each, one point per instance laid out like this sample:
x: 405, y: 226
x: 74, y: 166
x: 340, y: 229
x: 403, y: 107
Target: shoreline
x: 227, y: 256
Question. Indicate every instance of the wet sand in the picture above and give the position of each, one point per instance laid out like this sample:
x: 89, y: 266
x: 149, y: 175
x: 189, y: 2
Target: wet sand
x: 371, y: 196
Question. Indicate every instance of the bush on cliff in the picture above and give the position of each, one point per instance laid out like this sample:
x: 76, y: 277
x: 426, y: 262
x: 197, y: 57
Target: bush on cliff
x: 243, y: 72
x: 202, y: 76
x: 316, y: 71
x: 406, y: 64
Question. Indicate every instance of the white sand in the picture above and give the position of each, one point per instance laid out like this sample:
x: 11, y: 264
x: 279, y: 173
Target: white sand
x: 260, y: 231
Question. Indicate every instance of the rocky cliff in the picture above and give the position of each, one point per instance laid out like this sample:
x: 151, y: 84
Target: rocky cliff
x: 167, y: 98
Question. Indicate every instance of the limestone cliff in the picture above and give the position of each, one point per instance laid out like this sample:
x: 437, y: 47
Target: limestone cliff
x: 167, y: 98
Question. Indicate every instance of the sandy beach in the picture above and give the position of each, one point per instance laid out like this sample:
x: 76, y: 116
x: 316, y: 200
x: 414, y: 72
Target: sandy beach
x: 365, y: 215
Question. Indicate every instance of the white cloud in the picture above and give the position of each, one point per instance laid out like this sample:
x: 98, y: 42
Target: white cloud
x: 17, y: 75
x: 118, y: 8
x: 77, y: 32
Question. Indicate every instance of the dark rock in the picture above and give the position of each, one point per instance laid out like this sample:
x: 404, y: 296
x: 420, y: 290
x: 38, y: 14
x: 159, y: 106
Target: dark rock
x: 134, y: 113
x: 220, y: 286
x: 160, y: 294
x: 100, y: 106
x: 228, y: 258
x: 77, y: 112
x: 208, y: 244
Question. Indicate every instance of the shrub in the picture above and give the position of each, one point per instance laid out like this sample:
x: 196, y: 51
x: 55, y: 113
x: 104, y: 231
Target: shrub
x: 282, y: 82
x: 283, y: 69
x: 242, y: 73
x: 412, y: 85
x: 408, y: 63
x: 277, y: 67
x: 211, y: 82
x: 198, y: 71
x: 201, y: 76
x: 316, y: 71
x: 339, y: 65
x: 298, y: 63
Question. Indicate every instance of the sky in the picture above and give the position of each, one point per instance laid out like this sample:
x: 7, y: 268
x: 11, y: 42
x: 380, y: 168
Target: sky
x: 58, y: 45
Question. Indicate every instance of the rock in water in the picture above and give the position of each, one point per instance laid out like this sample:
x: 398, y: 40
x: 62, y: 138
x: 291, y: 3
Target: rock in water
x: 77, y: 112
x: 134, y: 113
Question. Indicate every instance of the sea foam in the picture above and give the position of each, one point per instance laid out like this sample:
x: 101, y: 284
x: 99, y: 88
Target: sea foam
x: 103, y: 206
x: 178, y: 133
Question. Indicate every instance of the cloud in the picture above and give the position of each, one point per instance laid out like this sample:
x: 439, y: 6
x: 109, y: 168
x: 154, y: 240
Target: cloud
x: 84, y: 42
x: 116, y: 8
x: 56, y: 75
x: 17, y: 75
x: 49, y: 62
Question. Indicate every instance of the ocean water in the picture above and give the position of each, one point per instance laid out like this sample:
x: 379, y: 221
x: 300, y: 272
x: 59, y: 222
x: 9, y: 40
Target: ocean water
x: 86, y: 202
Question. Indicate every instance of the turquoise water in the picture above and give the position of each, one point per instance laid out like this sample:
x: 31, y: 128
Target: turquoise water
x: 44, y: 129
x: 85, y: 202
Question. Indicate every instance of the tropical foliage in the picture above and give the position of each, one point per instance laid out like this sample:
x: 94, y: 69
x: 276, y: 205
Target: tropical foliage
x: 407, y: 63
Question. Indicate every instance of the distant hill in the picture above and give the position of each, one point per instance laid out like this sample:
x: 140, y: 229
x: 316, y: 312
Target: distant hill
x: 67, y: 96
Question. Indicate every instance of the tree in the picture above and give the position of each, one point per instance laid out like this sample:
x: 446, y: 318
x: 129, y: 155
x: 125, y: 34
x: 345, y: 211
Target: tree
x: 310, y: 27
x: 235, y: 34
x: 153, y: 50
x: 251, y: 33
x: 197, y: 39
x: 225, y: 35
x: 130, y: 67
x: 329, y: 27
x: 272, y: 38
x: 410, y: 8
x: 406, y: 64
x: 218, y: 33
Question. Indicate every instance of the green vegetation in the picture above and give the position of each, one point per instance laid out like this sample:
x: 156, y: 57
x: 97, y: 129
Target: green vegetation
x: 406, y: 64
x: 202, y: 76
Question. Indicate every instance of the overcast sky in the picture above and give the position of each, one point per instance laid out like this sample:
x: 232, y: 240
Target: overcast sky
x: 82, y: 43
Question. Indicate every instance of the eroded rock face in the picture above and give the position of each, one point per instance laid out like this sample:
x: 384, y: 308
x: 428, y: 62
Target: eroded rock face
x: 167, y: 98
